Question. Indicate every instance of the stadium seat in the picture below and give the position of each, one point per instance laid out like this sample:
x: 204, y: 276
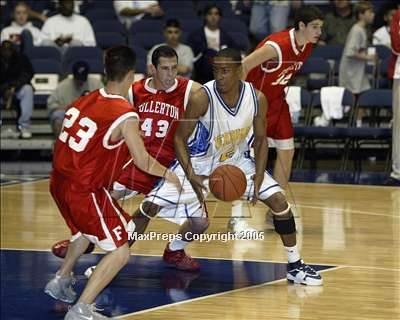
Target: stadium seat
x: 91, y: 54
x: 146, y: 40
x: 190, y: 25
x: 141, y: 52
x: 108, y: 26
x: 376, y: 101
x: 179, y: 13
x: 146, y: 26
x: 318, y: 72
x: 44, y: 52
x: 108, y: 39
x: 383, y: 52
x: 234, y: 25
x: 100, y: 14
x: 241, y: 40
x: 45, y: 79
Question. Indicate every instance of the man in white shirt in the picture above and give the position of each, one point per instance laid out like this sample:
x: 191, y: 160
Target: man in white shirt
x: 172, y: 33
x: 129, y: 12
x: 382, y: 35
x: 67, y: 28
x: 21, y: 23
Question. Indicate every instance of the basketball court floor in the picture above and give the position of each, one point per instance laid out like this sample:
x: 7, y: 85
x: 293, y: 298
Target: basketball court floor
x: 349, y: 232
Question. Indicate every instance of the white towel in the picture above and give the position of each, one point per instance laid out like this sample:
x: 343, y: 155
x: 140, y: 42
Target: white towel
x: 293, y: 98
x: 331, y: 102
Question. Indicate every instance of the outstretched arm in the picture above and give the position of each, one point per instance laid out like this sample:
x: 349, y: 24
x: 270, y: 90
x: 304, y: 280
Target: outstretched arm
x: 257, y: 57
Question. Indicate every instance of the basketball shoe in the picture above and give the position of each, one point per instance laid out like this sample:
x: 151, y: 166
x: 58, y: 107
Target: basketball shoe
x: 299, y: 272
x: 180, y: 260
x: 82, y: 311
x: 60, y: 288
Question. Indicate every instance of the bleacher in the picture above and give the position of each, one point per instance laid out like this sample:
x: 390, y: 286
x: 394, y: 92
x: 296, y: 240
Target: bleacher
x: 319, y: 71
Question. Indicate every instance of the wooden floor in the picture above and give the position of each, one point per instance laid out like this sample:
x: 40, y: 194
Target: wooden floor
x: 355, y: 228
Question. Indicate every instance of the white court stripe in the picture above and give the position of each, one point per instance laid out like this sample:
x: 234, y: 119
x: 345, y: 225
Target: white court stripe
x: 103, y: 224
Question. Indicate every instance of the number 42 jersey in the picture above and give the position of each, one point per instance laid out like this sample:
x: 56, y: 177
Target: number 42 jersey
x: 84, y: 152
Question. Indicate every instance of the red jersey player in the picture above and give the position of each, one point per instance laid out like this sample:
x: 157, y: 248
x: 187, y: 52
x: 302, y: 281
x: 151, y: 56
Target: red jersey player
x: 88, y: 156
x: 270, y: 67
x: 161, y: 102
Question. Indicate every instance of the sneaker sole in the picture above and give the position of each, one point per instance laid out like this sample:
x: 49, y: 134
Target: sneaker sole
x: 49, y: 293
x: 313, y: 282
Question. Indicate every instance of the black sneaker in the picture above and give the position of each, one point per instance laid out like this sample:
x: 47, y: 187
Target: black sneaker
x: 299, y: 272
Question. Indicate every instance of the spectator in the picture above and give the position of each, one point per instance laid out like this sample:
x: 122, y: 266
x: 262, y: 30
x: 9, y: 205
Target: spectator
x: 394, y: 72
x: 352, y: 70
x: 129, y: 12
x: 382, y: 35
x: 67, y: 91
x: 207, y: 41
x: 20, y: 23
x: 270, y: 16
x: 337, y: 24
x: 68, y: 28
x: 172, y: 34
x: 15, y: 83
x: 242, y: 10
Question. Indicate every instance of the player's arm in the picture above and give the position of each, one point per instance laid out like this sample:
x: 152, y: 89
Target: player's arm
x: 257, y: 57
x: 260, y: 144
x: 129, y: 130
x: 197, y: 107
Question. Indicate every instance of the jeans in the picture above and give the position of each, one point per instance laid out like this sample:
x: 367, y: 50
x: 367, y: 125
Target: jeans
x: 25, y: 97
x: 396, y: 130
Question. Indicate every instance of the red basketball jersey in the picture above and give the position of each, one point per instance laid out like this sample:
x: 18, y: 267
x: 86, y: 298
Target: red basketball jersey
x: 272, y: 76
x: 84, y: 152
x: 159, y: 113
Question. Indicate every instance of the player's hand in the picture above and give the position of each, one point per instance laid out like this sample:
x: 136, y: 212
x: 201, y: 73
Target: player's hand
x: 197, y: 182
x: 173, y: 178
x: 258, y: 180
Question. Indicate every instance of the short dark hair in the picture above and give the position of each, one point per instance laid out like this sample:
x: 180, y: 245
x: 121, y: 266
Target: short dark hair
x: 361, y: 7
x: 208, y: 8
x: 118, y: 61
x: 231, y: 53
x: 172, y: 23
x: 306, y: 14
x: 162, y: 51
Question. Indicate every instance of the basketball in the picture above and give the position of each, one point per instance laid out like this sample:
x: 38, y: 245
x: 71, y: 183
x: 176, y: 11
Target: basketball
x: 227, y: 183
x: 60, y: 248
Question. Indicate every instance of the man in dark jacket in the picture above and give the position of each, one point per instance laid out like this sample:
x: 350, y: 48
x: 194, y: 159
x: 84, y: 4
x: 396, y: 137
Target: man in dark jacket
x: 16, y: 72
x: 207, y: 41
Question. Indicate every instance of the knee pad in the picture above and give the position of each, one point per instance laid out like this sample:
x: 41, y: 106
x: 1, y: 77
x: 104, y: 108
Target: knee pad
x: 284, y: 226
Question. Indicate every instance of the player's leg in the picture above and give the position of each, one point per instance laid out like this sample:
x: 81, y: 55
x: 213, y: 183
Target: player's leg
x: 283, y: 166
x: 194, y: 221
x: 109, y: 228
x: 238, y: 223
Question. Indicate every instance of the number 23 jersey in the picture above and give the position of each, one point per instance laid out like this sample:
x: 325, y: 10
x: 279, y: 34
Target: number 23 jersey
x: 84, y: 152
x: 159, y: 113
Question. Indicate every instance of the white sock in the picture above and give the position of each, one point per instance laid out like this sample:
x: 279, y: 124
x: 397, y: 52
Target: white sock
x: 293, y: 254
x: 237, y: 209
x: 177, y: 245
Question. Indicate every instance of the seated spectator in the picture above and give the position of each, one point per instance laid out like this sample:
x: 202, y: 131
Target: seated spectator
x: 20, y: 23
x: 382, y: 35
x: 337, y: 24
x: 172, y: 33
x: 15, y: 83
x: 67, y: 28
x: 67, y: 91
x: 129, y: 12
x: 352, y: 70
x: 207, y: 41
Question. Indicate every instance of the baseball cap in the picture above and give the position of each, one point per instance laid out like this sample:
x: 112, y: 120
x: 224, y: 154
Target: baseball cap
x: 80, y: 70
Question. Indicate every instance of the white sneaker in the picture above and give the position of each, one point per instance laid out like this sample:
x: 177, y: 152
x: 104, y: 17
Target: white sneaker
x: 320, y: 122
x: 299, y: 272
x: 82, y: 311
x: 25, y: 133
x: 241, y: 228
x: 60, y: 288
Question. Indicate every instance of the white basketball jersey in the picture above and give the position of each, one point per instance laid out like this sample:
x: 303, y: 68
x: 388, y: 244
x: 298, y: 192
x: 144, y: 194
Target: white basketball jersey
x: 221, y: 135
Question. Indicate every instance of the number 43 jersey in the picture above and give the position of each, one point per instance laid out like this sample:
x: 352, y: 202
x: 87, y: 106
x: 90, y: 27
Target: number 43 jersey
x: 84, y: 152
x: 159, y: 113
